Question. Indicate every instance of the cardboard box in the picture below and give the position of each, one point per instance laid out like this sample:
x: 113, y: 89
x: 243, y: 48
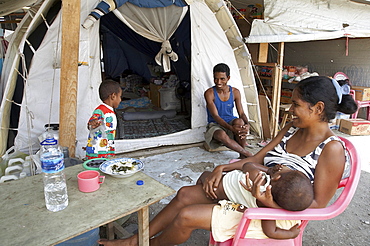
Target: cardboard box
x: 361, y: 93
x: 355, y: 126
x: 335, y: 123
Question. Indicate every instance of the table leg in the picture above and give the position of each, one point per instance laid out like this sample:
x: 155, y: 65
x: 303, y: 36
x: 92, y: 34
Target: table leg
x: 110, y: 231
x: 143, y: 219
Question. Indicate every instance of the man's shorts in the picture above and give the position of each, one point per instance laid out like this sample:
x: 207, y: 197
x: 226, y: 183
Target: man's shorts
x: 210, y: 130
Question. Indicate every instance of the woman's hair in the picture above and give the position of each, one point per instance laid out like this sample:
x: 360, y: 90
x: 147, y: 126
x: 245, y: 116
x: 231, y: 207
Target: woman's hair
x: 222, y: 68
x: 107, y: 88
x: 320, y: 88
x: 293, y: 191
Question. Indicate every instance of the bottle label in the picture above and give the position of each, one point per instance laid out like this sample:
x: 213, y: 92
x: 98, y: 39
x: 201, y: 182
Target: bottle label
x: 50, y: 164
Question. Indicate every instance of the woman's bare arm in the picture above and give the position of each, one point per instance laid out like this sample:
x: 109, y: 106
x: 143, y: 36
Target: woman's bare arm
x: 253, y: 168
x: 328, y: 173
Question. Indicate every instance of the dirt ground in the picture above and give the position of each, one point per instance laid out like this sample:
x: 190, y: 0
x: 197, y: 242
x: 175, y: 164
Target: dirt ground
x: 179, y: 167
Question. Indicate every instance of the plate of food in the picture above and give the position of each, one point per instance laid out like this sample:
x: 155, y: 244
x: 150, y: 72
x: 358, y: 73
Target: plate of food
x: 94, y: 164
x: 121, y: 167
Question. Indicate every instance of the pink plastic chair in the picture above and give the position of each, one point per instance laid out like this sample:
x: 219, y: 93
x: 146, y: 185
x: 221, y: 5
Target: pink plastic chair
x: 360, y: 104
x: 349, y: 184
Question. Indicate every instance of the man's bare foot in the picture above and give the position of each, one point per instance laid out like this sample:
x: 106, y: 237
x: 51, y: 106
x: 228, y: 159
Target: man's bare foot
x: 131, y: 241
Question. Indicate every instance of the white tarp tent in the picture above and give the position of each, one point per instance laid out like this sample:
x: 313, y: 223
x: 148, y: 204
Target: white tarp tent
x: 214, y: 38
x: 295, y: 21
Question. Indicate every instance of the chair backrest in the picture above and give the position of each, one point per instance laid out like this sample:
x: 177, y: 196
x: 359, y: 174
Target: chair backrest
x: 349, y: 185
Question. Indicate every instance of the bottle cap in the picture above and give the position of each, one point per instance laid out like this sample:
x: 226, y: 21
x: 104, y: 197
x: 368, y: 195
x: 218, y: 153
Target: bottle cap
x: 140, y: 182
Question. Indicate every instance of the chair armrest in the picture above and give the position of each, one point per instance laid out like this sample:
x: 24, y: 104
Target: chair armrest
x: 282, y: 214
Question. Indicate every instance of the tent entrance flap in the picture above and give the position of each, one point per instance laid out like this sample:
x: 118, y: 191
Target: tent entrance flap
x: 157, y: 24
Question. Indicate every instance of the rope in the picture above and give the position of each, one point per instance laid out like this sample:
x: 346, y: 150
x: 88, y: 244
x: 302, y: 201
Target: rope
x: 11, y: 101
x: 44, y: 19
x: 237, y: 11
x: 24, y: 75
x: 8, y: 128
x: 239, y: 47
x: 19, y: 73
x: 240, y: 14
x: 32, y: 12
x: 29, y: 115
x: 31, y: 47
x: 54, y: 71
x: 263, y: 90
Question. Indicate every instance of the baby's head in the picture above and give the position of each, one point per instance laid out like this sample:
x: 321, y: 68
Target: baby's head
x: 292, y: 190
x: 108, y: 88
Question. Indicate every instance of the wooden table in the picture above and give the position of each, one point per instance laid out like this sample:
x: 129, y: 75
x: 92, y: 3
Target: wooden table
x: 26, y: 221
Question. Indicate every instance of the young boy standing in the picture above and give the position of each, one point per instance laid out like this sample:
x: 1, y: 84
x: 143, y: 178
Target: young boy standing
x: 103, y: 122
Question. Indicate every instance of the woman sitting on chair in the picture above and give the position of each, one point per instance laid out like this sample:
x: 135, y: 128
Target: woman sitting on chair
x: 308, y: 137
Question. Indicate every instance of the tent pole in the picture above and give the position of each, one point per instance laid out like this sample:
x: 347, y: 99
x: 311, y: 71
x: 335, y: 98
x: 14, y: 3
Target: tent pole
x: 69, y: 74
x: 276, y: 90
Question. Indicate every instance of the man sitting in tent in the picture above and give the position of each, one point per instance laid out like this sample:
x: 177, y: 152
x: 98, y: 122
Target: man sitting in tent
x: 223, y: 127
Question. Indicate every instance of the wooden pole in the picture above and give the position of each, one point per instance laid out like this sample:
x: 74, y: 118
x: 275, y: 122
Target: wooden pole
x: 69, y: 74
x: 276, y: 91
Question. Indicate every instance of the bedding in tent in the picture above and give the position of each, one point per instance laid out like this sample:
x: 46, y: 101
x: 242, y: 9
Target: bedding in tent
x: 214, y: 38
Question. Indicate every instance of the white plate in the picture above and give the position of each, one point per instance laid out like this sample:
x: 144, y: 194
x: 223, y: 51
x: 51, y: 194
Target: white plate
x: 106, y: 167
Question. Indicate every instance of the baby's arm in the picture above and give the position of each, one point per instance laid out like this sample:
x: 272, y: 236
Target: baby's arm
x: 254, y: 172
x: 272, y: 231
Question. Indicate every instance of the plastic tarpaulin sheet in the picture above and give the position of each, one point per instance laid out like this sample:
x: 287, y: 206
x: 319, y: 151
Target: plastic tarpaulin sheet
x: 295, y: 21
x: 43, y: 85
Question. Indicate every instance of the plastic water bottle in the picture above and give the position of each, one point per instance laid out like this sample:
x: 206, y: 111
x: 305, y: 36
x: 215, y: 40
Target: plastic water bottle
x: 52, y: 163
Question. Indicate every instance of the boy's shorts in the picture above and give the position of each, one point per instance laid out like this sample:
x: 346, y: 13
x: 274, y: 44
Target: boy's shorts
x: 210, y: 130
x: 226, y: 218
